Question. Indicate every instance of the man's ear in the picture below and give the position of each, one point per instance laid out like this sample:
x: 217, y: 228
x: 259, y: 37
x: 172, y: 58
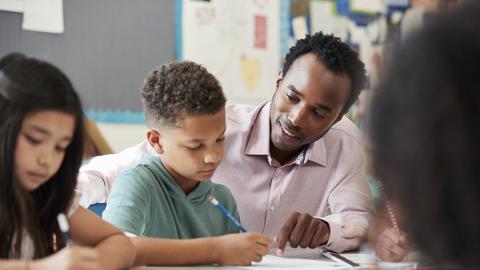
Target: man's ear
x: 153, y: 137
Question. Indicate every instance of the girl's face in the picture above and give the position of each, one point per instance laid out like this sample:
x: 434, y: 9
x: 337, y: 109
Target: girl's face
x: 41, y: 144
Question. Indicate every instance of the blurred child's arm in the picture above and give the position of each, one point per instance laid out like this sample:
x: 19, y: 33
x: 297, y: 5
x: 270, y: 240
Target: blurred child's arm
x: 115, y: 251
x: 14, y: 264
x: 231, y: 249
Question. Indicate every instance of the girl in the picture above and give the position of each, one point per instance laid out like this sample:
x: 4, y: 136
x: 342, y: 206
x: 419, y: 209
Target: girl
x: 41, y: 146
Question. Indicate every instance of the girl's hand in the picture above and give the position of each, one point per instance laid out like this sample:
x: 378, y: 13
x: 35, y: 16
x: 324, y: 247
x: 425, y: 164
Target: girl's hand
x: 391, y: 246
x: 69, y: 258
x: 241, y: 248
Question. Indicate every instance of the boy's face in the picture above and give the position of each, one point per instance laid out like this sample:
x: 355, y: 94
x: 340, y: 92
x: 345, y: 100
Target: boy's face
x: 192, y: 151
x: 41, y: 144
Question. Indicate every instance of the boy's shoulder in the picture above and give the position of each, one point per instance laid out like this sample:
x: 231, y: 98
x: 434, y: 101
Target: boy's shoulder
x: 142, y: 172
x: 223, y: 194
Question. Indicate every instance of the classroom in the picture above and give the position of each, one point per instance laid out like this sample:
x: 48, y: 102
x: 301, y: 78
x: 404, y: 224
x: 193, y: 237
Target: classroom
x: 239, y: 134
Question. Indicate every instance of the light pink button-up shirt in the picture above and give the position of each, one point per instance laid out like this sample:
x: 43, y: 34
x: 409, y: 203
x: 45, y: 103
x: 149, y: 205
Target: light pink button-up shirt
x: 328, y: 177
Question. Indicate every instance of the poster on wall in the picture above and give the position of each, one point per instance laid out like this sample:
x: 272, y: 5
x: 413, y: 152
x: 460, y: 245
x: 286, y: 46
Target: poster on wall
x: 237, y: 41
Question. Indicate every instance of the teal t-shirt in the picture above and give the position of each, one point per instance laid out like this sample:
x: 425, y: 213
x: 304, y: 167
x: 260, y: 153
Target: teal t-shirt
x: 145, y: 200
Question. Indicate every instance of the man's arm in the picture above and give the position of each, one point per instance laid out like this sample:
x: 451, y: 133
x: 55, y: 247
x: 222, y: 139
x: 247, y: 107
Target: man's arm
x: 352, y: 213
x: 96, y: 178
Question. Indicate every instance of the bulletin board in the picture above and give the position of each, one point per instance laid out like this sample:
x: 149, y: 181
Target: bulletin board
x: 238, y: 41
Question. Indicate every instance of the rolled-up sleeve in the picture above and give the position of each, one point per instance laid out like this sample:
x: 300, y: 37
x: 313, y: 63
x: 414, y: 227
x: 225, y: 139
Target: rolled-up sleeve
x: 352, y: 209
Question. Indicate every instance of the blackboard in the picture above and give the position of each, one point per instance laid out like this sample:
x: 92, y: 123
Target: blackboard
x: 107, y: 48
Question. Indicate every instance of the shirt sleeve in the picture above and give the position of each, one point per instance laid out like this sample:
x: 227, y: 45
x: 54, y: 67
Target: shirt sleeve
x: 352, y: 207
x: 129, y: 203
x: 95, y: 179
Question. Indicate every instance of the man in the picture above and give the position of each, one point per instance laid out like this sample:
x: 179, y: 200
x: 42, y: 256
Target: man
x: 290, y: 159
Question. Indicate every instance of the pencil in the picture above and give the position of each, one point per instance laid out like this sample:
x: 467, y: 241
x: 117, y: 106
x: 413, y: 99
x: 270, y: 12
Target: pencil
x: 226, y: 213
x: 388, y: 206
x: 339, y: 258
x: 65, y: 229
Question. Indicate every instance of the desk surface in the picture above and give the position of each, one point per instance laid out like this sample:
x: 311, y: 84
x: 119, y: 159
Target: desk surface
x: 294, y: 259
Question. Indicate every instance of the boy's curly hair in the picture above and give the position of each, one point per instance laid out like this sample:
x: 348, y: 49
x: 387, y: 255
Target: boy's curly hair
x: 179, y: 89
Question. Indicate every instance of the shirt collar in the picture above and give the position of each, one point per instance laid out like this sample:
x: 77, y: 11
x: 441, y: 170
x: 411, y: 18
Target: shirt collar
x: 258, y: 142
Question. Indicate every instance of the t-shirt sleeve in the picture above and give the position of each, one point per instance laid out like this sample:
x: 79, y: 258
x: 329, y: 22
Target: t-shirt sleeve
x: 129, y: 202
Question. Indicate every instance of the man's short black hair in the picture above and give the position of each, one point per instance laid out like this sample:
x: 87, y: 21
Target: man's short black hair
x: 337, y: 57
x: 179, y: 89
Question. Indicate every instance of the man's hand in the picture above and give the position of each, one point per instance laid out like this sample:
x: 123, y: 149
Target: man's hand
x: 302, y: 230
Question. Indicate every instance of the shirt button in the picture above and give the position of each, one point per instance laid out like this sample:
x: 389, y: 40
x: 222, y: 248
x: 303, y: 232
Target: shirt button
x: 272, y: 208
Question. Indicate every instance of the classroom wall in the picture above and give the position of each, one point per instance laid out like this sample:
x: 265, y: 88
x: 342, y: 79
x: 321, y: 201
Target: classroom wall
x: 121, y: 136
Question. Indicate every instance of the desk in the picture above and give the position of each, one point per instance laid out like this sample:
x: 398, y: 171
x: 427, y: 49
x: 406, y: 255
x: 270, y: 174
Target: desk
x: 294, y: 259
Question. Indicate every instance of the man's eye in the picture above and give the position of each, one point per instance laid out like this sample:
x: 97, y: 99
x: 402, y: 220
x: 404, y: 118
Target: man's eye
x: 292, y: 98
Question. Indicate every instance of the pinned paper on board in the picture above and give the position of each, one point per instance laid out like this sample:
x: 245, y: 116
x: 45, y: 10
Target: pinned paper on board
x: 260, y: 40
x: 12, y: 5
x: 324, y: 18
x: 250, y: 72
x: 43, y: 16
x: 299, y: 25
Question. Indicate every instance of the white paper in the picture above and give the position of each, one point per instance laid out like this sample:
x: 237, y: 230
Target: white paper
x: 12, y: 5
x: 43, y: 16
x: 274, y: 262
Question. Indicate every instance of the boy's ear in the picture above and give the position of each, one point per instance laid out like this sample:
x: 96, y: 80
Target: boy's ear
x: 153, y: 137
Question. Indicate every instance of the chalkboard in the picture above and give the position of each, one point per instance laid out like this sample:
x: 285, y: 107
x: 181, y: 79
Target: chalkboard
x: 107, y: 48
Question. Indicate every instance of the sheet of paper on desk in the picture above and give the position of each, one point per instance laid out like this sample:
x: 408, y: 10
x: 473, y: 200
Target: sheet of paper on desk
x: 274, y: 262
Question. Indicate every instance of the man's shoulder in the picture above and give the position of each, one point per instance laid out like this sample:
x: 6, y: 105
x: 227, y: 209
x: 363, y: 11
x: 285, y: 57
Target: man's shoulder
x: 118, y: 161
x: 345, y: 129
x: 237, y: 113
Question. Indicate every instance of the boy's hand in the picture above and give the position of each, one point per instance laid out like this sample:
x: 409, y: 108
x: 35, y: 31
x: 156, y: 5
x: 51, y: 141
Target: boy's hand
x: 70, y: 258
x: 391, y: 245
x: 302, y: 230
x: 241, y: 248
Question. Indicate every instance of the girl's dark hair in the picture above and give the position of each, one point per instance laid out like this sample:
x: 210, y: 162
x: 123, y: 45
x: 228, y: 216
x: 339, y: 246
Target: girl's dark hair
x: 29, y: 85
x: 425, y: 133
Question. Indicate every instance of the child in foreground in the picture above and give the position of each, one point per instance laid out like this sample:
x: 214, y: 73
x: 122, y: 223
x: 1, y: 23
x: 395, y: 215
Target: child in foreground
x: 166, y: 195
x: 41, y: 149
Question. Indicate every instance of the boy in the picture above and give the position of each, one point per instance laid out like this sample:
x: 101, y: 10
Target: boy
x: 166, y: 196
